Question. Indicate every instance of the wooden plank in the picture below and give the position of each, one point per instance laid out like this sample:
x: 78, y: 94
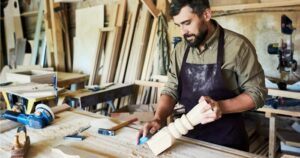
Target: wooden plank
x: 256, y: 5
x: 66, y: 79
x: 283, y: 93
x: 280, y: 112
x: 127, y: 45
x: 272, y: 137
x: 11, y: 18
x: 48, y: 31
x: 151, y: 7
x: 66, y: 38
x: 37, y: 34
x: 27, y: 76
x: 113, y: 44
x: 123, y: 57
x: 58, y: 43
x: 86, y: 39
x: 20, y: 51
x: 96, y: 62
x: 139, y: 46
x: 148, y: 60
x: 149, y: 83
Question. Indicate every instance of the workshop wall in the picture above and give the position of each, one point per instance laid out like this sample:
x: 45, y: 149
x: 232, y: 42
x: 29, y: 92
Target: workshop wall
x: 261, y: 26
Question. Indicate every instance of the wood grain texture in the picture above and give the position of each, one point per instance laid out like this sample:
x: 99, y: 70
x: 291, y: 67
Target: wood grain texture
x: 123, y: 144
x: 58, y: 43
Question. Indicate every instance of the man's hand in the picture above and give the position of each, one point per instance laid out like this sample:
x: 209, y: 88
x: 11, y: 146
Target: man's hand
x: 211, y: 111
x: 151, y: 126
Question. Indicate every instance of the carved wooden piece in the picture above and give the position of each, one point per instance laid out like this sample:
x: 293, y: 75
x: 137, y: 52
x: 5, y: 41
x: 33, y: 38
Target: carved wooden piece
x: 166, y: 137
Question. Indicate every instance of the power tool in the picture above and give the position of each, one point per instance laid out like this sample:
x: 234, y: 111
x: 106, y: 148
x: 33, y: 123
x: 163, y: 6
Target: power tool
x: 285, y: 50
x: 42, y: 117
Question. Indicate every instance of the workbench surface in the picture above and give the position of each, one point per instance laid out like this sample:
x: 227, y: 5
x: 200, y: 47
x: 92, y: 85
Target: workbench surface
x: 120, y: 145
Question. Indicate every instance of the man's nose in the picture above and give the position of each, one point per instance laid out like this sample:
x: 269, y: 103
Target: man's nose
x: 183, y: 30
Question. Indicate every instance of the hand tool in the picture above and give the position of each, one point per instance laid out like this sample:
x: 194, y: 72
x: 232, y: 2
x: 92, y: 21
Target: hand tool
x: 76, y: 136
x: 21, y: 143
x: 111, y: 131
x: 42, y: 117
x: 9, y: 124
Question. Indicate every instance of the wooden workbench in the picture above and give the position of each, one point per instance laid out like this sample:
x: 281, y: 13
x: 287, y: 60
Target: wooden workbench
x: 121, y: 145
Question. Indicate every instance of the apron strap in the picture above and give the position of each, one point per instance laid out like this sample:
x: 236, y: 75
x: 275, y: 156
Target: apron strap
x: 182, y: 67
x: 220, y: 56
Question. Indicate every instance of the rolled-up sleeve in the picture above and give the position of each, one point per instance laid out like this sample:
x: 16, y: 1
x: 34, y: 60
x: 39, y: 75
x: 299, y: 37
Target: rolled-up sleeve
x: 251, y: 75
x: 171, y: 86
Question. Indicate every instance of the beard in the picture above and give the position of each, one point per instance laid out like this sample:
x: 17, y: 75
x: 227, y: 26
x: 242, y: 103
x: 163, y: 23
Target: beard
x: 198, y: 39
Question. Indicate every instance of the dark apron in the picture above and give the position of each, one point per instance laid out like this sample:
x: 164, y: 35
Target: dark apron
x: 196, y: 80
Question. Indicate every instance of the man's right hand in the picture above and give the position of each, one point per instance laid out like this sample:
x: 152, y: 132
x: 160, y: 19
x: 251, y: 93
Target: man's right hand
x: 151, y: 126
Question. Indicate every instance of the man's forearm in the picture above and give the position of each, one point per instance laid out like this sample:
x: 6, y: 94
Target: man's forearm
x: 241, y: 103
x: 165, y: 107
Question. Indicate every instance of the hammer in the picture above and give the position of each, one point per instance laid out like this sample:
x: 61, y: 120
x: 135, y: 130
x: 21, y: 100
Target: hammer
x: 111, y: 131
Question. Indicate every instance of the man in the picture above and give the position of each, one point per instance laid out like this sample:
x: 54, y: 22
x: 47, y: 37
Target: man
x: 217, y: 64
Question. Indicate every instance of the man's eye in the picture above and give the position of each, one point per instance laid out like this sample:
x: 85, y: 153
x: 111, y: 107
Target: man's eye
x: 187, y: 23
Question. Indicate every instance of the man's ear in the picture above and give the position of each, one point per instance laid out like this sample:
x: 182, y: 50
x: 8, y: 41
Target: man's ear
x: 207, y: 14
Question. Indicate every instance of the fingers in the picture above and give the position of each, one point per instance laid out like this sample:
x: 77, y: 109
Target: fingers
x: 151, y: 127
x: 211, y: 111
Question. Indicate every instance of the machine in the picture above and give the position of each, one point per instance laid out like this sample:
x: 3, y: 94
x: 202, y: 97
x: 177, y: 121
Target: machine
x: 42, y: 116
x: 285, y: 50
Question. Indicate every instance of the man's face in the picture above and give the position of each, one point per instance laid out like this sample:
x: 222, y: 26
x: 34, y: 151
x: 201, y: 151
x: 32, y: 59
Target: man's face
x: 193, y: 27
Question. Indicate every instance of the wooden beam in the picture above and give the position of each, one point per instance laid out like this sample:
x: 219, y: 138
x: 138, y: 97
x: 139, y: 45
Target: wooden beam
x: 139, y: 46
x: 284, y: 93
x: 28, y: 14
x: 37, y: 34
x: 151, y: 7
x: 126, y: 46
x: 280, y: 112
x: 149, y: 83
x: 256, y: 5
x: 57, y: 36
x: 272, y: 137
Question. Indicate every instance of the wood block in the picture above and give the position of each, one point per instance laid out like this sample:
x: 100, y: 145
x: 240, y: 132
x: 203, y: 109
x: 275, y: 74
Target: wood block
x: 21, y: 145
x: 161, y: 141
x: 28, y: 76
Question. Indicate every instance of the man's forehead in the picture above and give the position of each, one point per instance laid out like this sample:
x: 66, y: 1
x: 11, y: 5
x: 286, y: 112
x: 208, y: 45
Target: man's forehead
x: 185, y: 13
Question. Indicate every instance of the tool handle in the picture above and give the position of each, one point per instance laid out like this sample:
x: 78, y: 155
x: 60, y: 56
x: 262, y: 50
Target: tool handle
x: 123, y: 124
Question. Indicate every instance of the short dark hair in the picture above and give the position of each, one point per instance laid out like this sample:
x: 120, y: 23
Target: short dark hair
x: 198, y: 6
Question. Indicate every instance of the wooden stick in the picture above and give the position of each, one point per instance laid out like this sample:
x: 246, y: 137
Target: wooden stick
x: 123, y: 124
